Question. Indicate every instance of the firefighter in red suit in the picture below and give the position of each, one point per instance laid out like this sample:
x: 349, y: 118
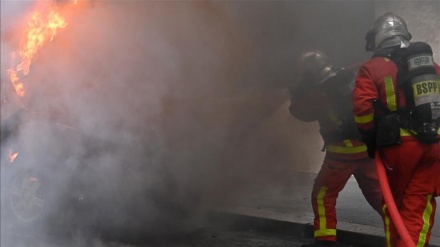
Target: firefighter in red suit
x: 323, y: 93
x: 398, y: 114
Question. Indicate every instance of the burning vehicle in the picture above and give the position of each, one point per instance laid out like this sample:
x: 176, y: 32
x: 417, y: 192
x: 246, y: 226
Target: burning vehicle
x: 57, y: 176
x: 36, y: 162
x: 36, y: 149
x: 49, y: 182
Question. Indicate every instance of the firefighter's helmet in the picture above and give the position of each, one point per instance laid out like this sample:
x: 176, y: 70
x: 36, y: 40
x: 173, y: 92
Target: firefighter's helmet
x: 386, y: 31
x: 315, y: 67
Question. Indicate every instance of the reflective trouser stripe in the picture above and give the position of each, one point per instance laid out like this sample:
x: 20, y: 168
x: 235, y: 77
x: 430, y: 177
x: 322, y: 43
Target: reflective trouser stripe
x: 322, y: 231
x: 426, y: 222
x: 427, y: 213
x: 386, y: 226
x: 325, y: 232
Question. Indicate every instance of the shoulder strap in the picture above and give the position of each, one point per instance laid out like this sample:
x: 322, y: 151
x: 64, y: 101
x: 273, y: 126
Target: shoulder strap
x: 398, y: 56
x: 383, y: 53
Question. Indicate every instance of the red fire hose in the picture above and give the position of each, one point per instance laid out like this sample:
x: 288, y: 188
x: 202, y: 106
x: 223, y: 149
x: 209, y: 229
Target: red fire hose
x: 391, y: 205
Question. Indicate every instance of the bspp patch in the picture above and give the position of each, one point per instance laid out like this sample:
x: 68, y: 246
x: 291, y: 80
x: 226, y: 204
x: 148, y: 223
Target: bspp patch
x: 425, y: 87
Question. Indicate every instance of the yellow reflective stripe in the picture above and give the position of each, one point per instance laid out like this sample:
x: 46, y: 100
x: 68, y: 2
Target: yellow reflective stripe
x: 348, y: 143
x: 426, y: 224
x: 334, y: 118
x: 407, y: 132
x: 387, y: 226
x: 321, y: 210
x: 364, y: 119
x: 390, y: 94
x: 324, y: 232
x: 346, y: 150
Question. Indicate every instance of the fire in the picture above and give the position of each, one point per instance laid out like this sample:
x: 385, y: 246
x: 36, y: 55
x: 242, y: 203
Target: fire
x: 41, y: 28
x: 12, y: 156
x: 18, y: 86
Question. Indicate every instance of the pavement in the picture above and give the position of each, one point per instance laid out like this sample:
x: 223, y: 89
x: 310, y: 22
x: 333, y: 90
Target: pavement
x: 288, y: 210
x: 277, y: 215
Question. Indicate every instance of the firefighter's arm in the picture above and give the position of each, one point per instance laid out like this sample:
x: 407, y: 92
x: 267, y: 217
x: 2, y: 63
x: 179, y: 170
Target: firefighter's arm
x: 437, y: 68
x: 364, y: 96
x: 308, y: 106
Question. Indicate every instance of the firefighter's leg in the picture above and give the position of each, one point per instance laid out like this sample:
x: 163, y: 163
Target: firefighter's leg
x: 418, y: 212
x: 330, y: 180
x: 399, y: 166
x: 418, y: 201
x: 407, y: 177
x: 366, y: 176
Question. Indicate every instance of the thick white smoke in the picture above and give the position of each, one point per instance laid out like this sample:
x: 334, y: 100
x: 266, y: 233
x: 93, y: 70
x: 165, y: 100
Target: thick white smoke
x: 147, y: 89
x: 175, y: 105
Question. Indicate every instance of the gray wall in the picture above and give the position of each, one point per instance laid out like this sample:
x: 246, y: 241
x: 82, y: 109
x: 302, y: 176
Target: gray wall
x: 422, y: 18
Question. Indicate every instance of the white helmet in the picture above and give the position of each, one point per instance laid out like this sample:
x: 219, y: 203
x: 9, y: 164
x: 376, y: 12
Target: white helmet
x: 387, y: 30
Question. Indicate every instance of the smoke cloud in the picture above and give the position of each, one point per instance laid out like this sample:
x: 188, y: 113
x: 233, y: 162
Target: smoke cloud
x: 172, y: 107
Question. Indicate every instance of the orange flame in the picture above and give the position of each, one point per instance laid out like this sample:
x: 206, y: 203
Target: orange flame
x: 12, y: 156
x: 40, y: 29
x: 18, y: 86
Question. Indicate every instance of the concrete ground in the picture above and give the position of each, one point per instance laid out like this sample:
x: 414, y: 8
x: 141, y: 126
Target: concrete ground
x: 289, y: 208
x: 274, y: 216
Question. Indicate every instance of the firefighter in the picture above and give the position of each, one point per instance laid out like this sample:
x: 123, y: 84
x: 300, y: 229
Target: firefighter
x: 396, y: 102
x: 322, y: 93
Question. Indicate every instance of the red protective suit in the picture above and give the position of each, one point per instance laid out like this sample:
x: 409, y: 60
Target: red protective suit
x: 412, y: 167
x: 345, y: 154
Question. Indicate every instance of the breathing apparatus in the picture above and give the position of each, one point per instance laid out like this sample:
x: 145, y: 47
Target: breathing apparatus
x: 425, y: 84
